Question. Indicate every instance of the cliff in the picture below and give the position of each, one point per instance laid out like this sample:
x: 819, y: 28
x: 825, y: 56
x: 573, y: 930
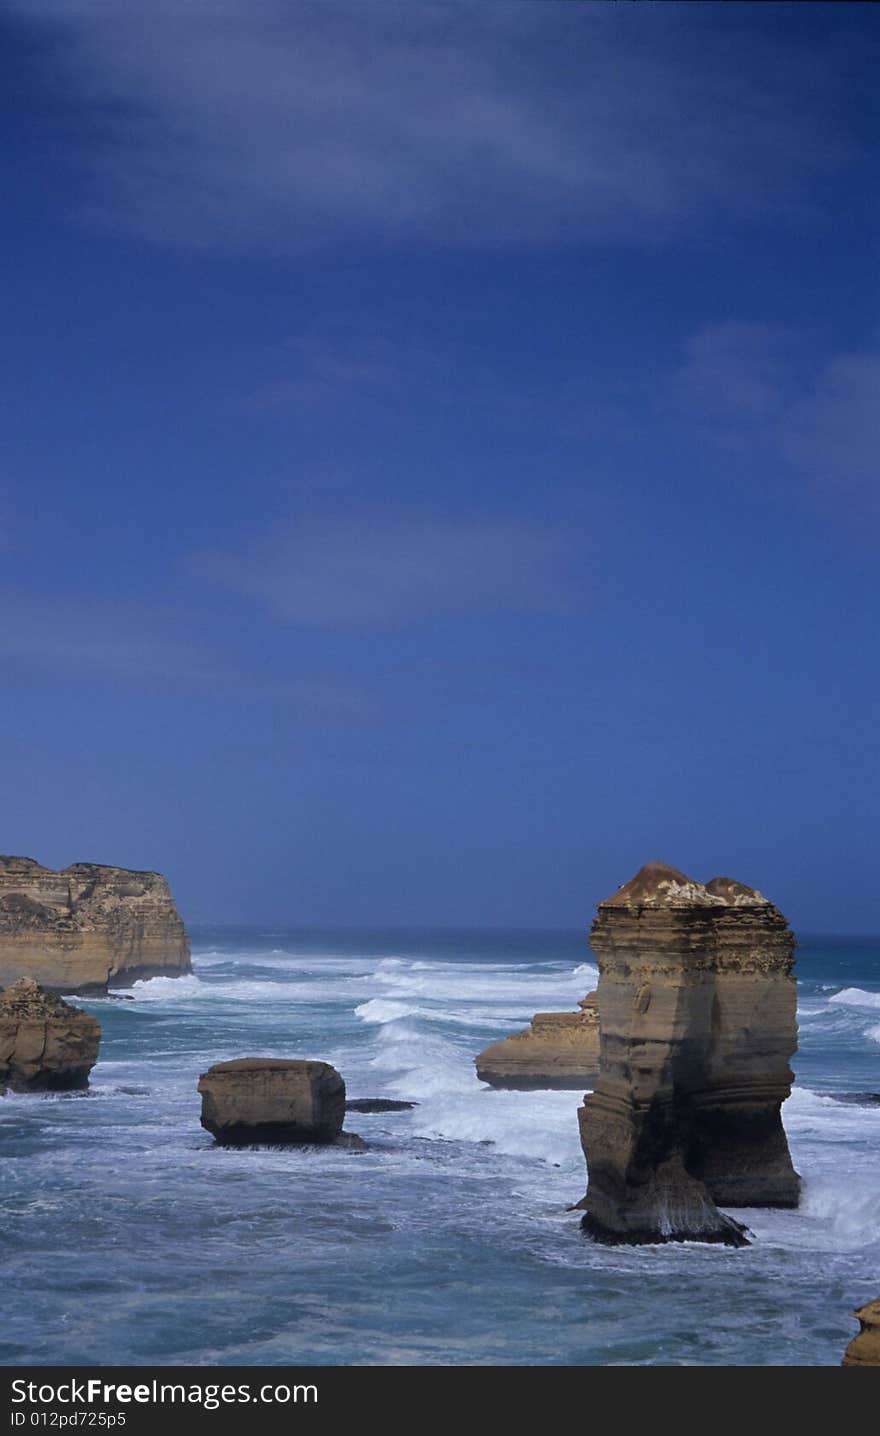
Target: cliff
x: 87, y: 926
x: 558, y: 1050
x: 45, y: 1044
x: 697, y: 1007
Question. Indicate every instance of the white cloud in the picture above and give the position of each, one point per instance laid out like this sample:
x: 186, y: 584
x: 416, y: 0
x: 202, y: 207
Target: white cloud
x: 284, y: 126
x: 379, y: 571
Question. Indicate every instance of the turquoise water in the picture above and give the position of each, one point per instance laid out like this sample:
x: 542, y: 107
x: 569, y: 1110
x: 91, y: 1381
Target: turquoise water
x: 137, y: 1241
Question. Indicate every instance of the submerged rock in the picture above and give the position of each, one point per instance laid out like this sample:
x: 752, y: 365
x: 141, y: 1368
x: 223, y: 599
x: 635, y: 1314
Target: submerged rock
x: 378, y: 1104
x: 558, y: 1050
x: 87, y: 925
x: 45, y: 1044
x: 272, y: 1099
x: 697, y: 1011
x: 864, y: 1349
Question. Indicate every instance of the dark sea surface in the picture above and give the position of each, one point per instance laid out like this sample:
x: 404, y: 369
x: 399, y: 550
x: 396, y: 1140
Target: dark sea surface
x: 128, y: 1238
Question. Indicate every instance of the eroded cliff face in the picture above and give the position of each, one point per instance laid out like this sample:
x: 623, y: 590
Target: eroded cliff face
x: 558, y: 1050
x: 87, y: 926
x: 697, y: 1007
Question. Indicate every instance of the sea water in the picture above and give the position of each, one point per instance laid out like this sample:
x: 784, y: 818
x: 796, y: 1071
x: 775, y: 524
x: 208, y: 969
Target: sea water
x: 130, y: 1238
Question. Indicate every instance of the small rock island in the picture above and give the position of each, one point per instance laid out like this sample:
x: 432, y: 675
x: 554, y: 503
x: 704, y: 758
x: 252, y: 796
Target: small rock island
x: 275, y: 1100
x: 697, y: 1009
x: 87, y: 927
x: 45, y: 1044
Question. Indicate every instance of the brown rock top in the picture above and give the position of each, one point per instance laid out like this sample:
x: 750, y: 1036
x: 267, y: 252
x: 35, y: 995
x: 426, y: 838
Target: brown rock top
x: 659, y: 885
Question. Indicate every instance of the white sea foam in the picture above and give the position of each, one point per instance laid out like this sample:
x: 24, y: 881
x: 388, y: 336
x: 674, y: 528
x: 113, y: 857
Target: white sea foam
x: 527, y: 992
x: 167, y: 989
x: 380, y: 1009
x: 855, y: 997
x: 847, y: 1208
x: 538, y: 1125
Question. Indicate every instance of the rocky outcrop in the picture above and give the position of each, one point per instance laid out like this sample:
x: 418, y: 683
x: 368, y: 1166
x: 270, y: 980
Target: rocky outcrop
x: 87, y: 926
x: 558, y: 1050
x: 698, y: 1022
x: 271, y: 1099
x: 45, y: 1044
x: 864, y: 1349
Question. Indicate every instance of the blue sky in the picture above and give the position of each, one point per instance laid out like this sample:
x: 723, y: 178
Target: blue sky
x: 439, y: 453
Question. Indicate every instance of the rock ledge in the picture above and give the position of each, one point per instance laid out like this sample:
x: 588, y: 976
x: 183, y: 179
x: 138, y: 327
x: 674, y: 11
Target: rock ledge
x: 558, y: 1050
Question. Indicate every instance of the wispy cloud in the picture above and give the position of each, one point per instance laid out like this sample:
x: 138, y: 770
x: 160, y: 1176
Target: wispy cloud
x: 761, y: 386
x: 736, y: 372
x: 77, y: 639
x: 378, y: 571
x: 281, y: 126
x: 89, y: 636
x: 834, y: 430
x: 319, y: 367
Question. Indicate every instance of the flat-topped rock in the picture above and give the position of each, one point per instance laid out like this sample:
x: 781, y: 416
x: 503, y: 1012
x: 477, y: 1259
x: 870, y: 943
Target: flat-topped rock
x: 45, y: 1044
x: 559, y: 1050
x: 86, y: 926
x: 697, y: 1016
x: 272, y: 1099
x: 864, y: 1349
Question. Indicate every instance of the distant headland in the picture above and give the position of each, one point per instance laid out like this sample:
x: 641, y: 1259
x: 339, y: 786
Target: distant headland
x: 88, y: 926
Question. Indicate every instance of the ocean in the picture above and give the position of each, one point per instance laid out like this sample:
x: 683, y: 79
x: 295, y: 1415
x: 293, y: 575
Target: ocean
x: 129, y: 1238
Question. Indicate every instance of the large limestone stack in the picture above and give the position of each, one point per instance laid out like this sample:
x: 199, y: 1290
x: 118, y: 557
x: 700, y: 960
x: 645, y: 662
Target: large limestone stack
x: 272, y: 1099
x: 45, y: 1044
x: 87, y: 926
x: 697, y: 1008
x: 864, y: 1349
x: 558, y: 1050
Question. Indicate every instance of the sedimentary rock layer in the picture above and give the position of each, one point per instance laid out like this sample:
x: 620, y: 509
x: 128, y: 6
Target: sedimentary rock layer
x: 864, y: 1349
x: 697, y: 1014
x: 271, y: 1099
x: 87, y: 926
x: 45, y: 1044
x: 558, y: 1050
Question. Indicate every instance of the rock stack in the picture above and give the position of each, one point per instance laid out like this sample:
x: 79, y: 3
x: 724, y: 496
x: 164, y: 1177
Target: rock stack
x: 273, y: 1100
x: 697, y: 1008
x: 558, y: 1050
x: 87, y: 926
x: 45, y: 1044
x: 864, y: 1349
